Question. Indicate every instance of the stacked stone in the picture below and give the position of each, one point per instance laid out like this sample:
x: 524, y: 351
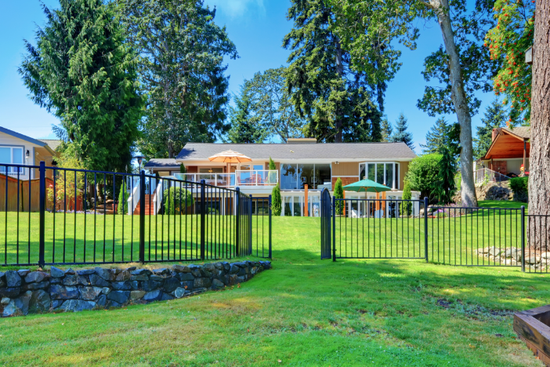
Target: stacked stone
x: 23, y: 291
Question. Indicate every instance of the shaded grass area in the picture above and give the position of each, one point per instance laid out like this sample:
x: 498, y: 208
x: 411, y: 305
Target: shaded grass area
x: 304, y: 312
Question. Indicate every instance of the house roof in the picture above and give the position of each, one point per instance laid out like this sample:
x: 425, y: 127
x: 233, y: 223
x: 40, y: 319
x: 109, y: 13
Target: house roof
x: 334, y: 151
x: 162, y: 162
x: 523, y: 132
x: 52, y: 143
x: 22, y: 137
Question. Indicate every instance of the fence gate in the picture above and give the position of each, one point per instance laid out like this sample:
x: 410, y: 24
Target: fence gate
x: 326, y: 214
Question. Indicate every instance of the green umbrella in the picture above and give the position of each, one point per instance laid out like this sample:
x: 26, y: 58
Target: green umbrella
x: 366, y: 186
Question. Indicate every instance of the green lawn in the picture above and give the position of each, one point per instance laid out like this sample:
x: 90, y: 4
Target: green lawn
x: 304, y: 312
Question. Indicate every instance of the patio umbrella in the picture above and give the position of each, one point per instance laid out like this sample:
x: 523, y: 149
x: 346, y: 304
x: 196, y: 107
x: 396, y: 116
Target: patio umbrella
x: 366, y: 186
x: 229, y: 156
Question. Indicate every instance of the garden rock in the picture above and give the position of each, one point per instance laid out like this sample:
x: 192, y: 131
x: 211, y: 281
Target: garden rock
x: 181, y: 292
x: 12, y: 310
x: 119, y: 296
x: 122, y: 286
x: 157, y: 278
x: 10, y: 292
x: 101, y: 301
x: 150, y: 285
x: 70, y: 271
x: 85, y: 272
x: 171, y: 284
x: 90, y: 293
x: 56, y: 273
x: 41, y: 285
x: 2, y: 282
x: 61, y: 292
x: 23, y: 272
x: 186, y: 276
x: 96, y: 280
x: 202, y: 283
x: 123, y: 276
x: 217, y: 284
x: 106, y: 274
x: 181, y: 269
x: 70, y: 280
x: 40, y: 302
x: 4, y: 301
x: 545, y: 256
x: 76, y: 305
x: 166, y: 297
x: 136, y: 295
x: 13, y: 279
x: 532, y: 260
x: 36, y: 277
x: 153, y: 296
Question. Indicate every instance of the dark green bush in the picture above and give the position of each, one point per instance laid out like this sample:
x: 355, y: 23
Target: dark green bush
x: 339, y: 194
x: 406, y: 207
x: 520, y: 187
x: 423, y: 174
x: 276, y: 201
x: 176, y: 198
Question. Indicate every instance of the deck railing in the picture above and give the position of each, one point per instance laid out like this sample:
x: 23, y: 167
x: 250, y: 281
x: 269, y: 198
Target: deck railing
x: 487, y: 175
x: 256, y: 178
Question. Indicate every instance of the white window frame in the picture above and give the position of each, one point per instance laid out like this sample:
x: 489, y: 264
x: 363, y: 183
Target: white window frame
x: 14, y: 170
x: 397, y: 172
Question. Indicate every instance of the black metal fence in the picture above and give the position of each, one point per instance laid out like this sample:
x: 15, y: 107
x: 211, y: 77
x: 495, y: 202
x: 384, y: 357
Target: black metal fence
x: 450, y: 235
x: 326, y: 214
x: 53, y: 215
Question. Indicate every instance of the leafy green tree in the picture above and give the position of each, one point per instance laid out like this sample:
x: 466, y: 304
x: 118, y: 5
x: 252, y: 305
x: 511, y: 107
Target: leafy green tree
x: 507, y: 41
x: 245, y: 127
x: 276, y: 201
x: 335, y: 99
x: 387, y: 130
x: 401, y: 133
x: 339, y: 194
x: 461, y: 67
x: 423, y: 174
x: 272, y: 105
x: 495, y: 117
x: 444, y: 187
x: 182, y: 69
x: 84, y: 71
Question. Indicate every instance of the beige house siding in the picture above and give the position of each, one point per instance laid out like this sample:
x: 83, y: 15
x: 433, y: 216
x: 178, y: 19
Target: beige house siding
x: 345, y: 169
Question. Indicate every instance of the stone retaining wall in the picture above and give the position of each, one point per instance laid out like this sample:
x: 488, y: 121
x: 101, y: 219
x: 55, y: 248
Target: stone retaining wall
x: 23, y: 292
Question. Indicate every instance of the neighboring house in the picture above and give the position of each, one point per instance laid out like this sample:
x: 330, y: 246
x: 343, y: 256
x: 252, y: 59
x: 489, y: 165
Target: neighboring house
x: 509, y: 151
x: 300, y: 163
x: 16, y: 148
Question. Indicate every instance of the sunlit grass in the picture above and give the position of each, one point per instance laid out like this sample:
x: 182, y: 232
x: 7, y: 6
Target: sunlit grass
x: 304, y: 312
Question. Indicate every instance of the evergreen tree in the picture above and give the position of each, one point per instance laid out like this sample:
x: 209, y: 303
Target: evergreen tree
x: 387, y: 130
x: 245, y: 127
x: 324, y: 88
x: 183, y: 169
x: 444, y: 187
x: 276, y: 201
x: 272, y: 165
x: 122, y: 206
x: 437, y: 137
x: 182, y: 68
x: 401, y: 133
x: 495, y: 117
x: 339, y: 194
x: 84, y: 71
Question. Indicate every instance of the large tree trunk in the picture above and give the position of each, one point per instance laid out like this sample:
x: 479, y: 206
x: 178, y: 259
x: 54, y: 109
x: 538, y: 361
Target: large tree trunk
x: 460, y: 102
x: 539, y: 161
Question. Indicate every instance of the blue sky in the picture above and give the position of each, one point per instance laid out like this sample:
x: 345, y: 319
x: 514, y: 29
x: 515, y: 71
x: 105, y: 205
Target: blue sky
x: 257, y: 28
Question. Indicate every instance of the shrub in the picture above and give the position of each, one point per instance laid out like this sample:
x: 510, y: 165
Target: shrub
x: 520, y: 187
x: 272, y: 165
x: 407, y: 195
x: 122, y: 199
x: 444, y: 188
x: 339, y: 194
x: 276, y: 202
x: 183, y: 169
x: 423, y: 174
x: 176, y: 198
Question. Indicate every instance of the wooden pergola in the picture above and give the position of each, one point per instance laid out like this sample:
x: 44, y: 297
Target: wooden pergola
x: 509, y: 143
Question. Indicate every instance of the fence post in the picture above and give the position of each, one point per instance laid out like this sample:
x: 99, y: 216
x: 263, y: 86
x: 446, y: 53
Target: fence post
x: 203, y: 218
x: 142, y: 216
x: 237, y: 220
x: 426, y: 228
x: 523, y: 238
x: 42, y: 219
x: 250, y: 225
x: 270, y: 249
x: 333, y: 228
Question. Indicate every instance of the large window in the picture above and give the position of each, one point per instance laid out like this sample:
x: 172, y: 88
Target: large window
x: 11, y: 155
x: 385, y: 173
x: 295, y: 176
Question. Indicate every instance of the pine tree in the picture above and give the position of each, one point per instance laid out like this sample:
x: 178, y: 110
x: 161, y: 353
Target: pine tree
x: 334, y: 97
x: 245, y: 127
x: 495, y: 117
x: 401, y: 133
x: 444, y: 187
x: 276, y: 202
x: 183, y: 169
x: 182, y: 71
x: 339, y: 194
x: 386, y: 130
x: 272, y: 165
x: 84, y: 71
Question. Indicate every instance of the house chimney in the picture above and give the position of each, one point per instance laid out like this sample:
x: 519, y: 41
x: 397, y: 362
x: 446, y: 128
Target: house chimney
x: 495, y: 133
x: 301, y: 141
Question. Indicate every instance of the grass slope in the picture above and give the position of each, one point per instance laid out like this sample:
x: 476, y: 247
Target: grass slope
x: 304, y: 312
